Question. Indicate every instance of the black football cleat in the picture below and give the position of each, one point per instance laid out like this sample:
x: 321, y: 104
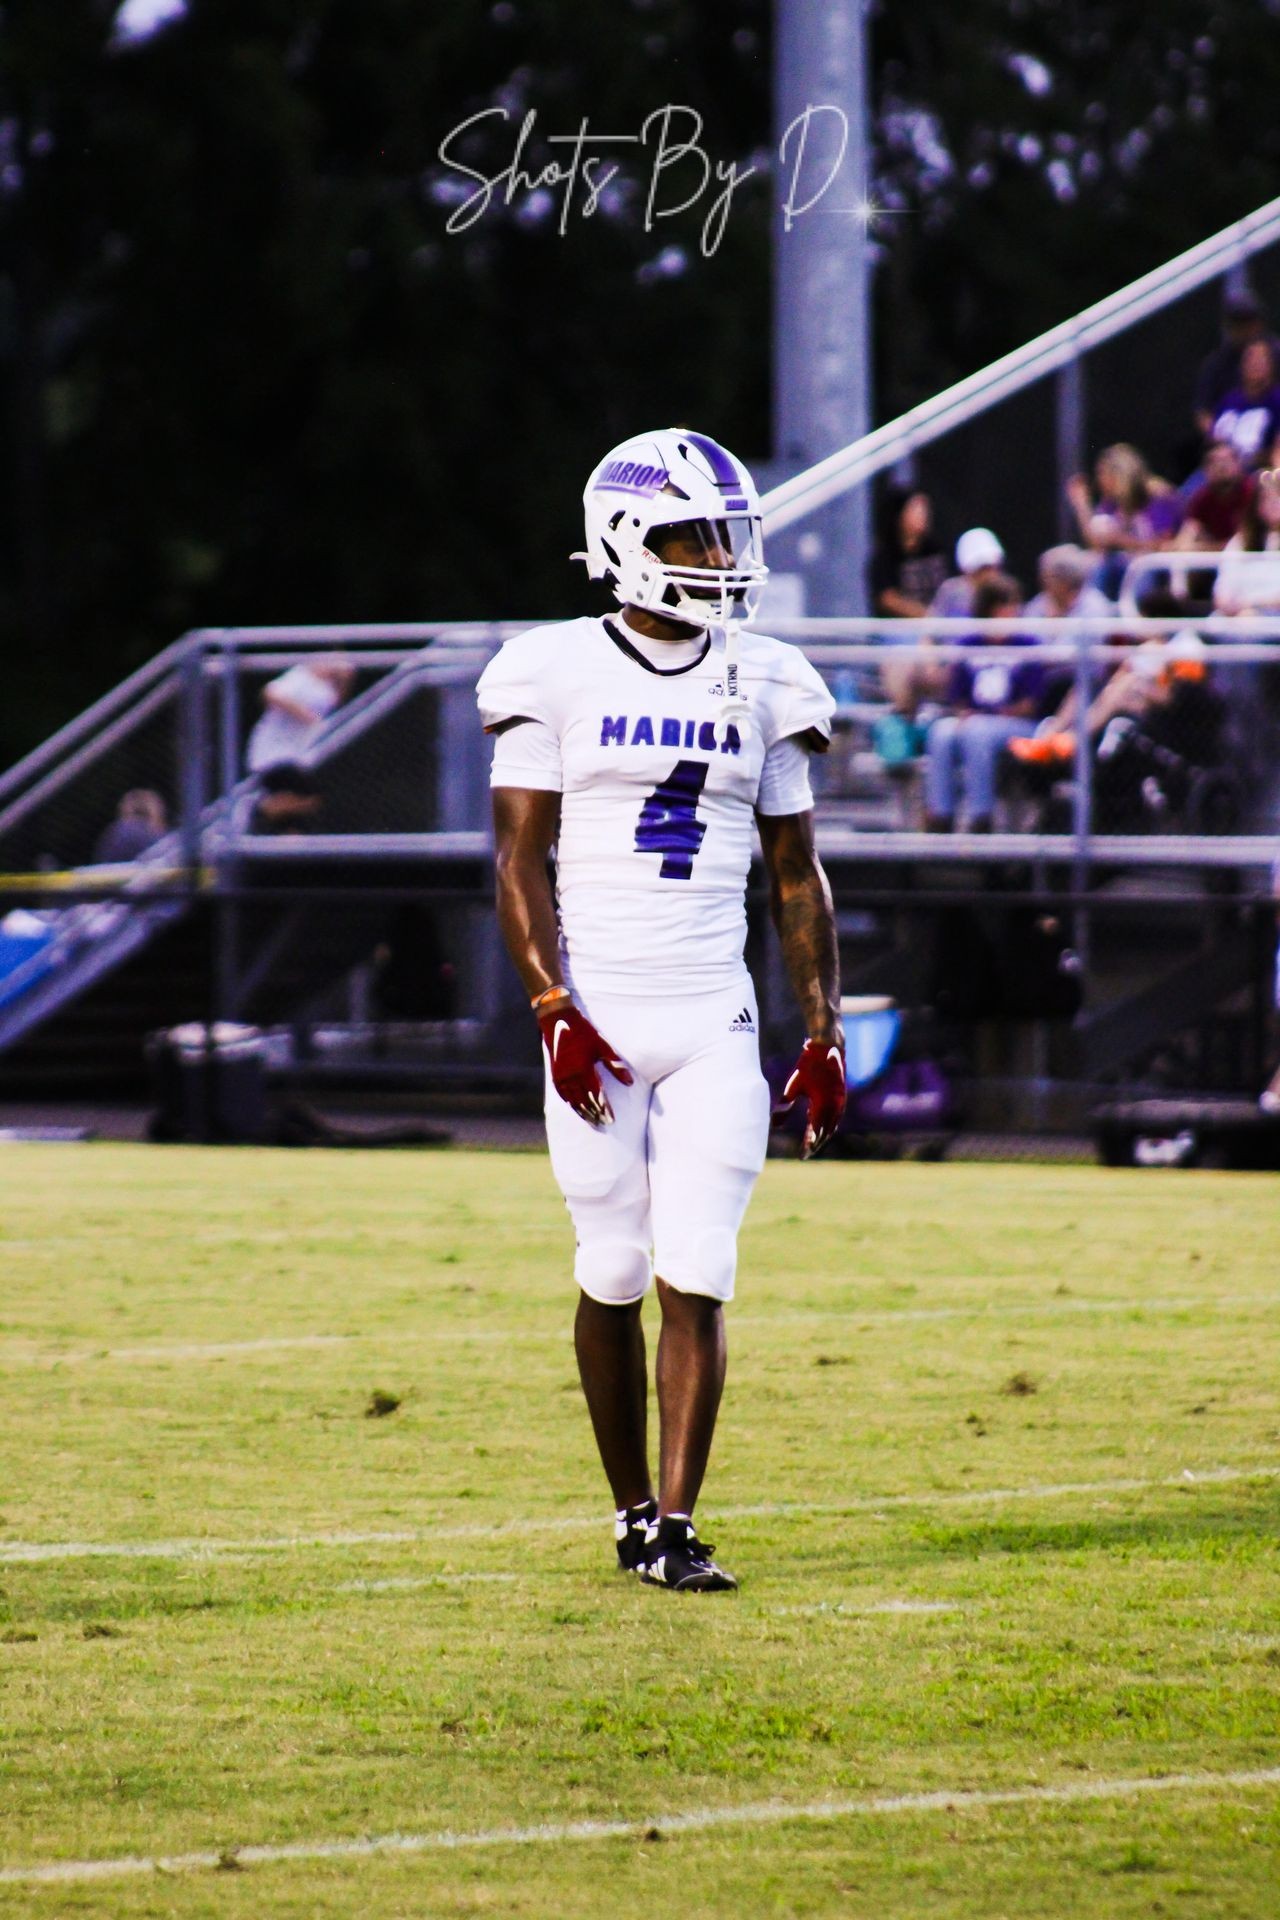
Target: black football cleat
x: 630, y: 1526
x: 675, y: 1558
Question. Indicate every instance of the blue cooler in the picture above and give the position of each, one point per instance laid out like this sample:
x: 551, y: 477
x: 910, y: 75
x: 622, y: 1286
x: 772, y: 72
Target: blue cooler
x: 26, y: 956
x: 872, y: 1027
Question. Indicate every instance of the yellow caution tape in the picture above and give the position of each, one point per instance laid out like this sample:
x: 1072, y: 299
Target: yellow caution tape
x: 107, y: 879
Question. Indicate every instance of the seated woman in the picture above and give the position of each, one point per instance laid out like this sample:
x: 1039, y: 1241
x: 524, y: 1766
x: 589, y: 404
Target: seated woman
x: 1134, y: 513
x: 993, y: 702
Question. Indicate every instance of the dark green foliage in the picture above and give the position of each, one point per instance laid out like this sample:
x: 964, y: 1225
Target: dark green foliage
x: 251, y: 378
x: 1068, y: 148
x: 247, y: 377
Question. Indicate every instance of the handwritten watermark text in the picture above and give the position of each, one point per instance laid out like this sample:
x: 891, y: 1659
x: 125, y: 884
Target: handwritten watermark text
x: 667, y: 167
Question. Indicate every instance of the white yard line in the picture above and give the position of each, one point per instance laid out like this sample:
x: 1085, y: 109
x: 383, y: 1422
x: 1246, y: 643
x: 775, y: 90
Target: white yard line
x: 766, y: 1813
x: 34, y: 1353
x: 228, y: 1349
x: 13, y: 1552
x: 30, y: 1352
x: 855, y: 1317
x: 414, y: 1582
x: 855, y: 1610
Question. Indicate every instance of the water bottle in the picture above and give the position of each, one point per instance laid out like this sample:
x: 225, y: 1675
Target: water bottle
x: 844, y: 686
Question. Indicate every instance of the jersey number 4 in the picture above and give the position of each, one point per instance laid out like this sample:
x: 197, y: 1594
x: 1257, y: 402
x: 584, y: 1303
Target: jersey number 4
x: 669, y: 822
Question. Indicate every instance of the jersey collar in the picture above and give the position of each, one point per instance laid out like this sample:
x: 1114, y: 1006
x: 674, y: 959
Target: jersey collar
x: 633, y: 653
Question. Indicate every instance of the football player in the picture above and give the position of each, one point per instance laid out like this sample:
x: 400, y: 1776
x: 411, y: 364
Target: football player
x: 648, y: 748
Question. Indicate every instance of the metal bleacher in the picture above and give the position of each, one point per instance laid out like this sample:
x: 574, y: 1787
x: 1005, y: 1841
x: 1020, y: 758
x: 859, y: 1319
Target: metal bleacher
x: 293, y: 932
x: 368, y: 942
x: 214, y: 920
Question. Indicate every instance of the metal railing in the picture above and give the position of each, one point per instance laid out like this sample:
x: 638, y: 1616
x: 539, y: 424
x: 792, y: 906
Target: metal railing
x: 1054, y: 352
x: 177, y: 727
x: 62, y: 747
x: 402, y: 765
x: 1241, y: 763
x: 1173, y: 569
x: 402, y: 774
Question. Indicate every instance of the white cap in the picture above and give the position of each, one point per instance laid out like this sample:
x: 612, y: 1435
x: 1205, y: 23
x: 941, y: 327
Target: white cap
x: 978, y: 548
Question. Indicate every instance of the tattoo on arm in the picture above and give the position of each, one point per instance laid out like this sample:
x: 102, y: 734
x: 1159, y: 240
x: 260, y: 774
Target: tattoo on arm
x: 807, y: 931
x: 800, y: 901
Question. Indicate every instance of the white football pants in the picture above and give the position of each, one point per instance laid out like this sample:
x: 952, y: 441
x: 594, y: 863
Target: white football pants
x: 665, y: 1188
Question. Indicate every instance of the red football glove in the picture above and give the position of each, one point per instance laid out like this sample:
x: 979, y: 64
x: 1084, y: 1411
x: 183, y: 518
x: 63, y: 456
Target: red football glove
x: 574, y: 1049
x: 818, y: 1077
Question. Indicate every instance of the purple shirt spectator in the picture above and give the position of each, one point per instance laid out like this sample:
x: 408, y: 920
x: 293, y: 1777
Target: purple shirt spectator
x: 1243, y: 322
x: 1250, y: 422
x: 993, y: 686
x: 1165, y: 515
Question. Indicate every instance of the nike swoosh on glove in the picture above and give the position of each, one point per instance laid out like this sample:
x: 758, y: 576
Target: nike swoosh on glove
x: 818, y: 1077
x: 575, y: 1050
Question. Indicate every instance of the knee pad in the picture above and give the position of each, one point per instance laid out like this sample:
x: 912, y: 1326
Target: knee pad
x: 706, y: 1265
x: 614, y: 1272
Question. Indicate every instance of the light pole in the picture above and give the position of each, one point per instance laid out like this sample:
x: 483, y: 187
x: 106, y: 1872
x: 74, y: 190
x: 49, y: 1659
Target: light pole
x: 821, y: 284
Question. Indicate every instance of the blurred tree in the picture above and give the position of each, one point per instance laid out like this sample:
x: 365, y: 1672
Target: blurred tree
x: 1045, y: 154
x: 248, y: 375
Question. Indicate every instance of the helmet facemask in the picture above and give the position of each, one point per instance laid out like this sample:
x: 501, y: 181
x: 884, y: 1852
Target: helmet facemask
x: 713, y: 576
x: 674, y: 527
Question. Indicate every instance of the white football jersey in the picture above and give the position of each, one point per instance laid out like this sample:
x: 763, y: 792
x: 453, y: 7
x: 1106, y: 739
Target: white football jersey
x: 657, y: 817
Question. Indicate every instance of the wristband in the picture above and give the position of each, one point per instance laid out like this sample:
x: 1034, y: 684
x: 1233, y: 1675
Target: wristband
x: 540, y: 1000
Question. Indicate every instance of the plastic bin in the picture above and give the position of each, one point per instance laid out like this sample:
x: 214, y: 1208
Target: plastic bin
x: 210, y: 1086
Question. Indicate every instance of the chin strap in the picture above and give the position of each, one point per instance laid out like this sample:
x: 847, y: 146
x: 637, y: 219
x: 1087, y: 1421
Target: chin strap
x: 736, y: 711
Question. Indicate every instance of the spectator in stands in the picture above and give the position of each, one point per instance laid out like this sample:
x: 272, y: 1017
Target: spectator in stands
x: 1123, y: 690
x: 1065, y: 590
x: 1249, y: 576
x: 295, y: 709
x: 141, y: 819
x: 908, y: 566
x: 1216, y: 508
x: 993, y: 701
x: 1249, y: 415
x: 1151, y: 726
x: 979, y: 558
x: 1133, y: 512
x: 288, y: 800
x: 1243, y: 321
x: 1149, y: 753
x: 907, y: 570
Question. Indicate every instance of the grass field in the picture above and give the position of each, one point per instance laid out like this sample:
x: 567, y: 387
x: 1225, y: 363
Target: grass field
x: 999, y: 1471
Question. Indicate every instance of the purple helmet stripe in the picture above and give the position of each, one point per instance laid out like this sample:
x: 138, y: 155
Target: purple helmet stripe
x: 722, y: 467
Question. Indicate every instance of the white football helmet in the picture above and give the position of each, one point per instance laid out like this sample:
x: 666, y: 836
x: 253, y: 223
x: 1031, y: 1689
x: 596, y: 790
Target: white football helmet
x: 659, y: 480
